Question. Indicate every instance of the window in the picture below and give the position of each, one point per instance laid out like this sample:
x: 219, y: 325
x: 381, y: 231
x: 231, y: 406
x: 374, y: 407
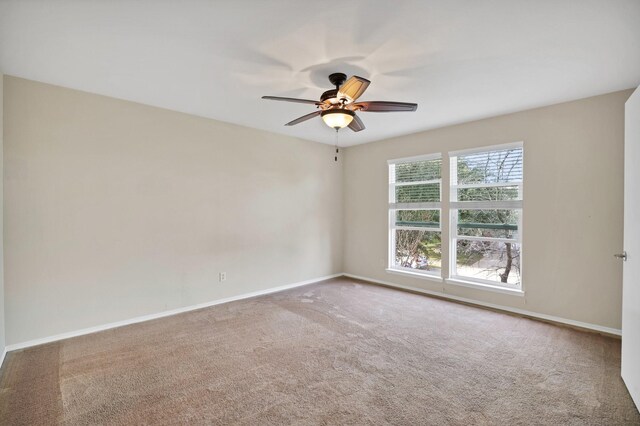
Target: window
x: 414, y: 215
x: 486, y: 215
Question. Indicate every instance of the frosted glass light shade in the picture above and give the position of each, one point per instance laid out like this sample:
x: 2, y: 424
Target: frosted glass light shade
x: 337, y: 118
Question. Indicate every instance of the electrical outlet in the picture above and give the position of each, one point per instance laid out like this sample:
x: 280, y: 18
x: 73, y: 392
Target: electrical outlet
x: 223, y: 276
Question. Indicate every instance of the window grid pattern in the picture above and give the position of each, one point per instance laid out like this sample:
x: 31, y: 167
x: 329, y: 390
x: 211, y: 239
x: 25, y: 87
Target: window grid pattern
x: 486, y: 216
x: 415, y: 194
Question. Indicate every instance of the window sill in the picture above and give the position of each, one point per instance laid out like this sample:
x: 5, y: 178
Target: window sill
x: 420, y: 275
x: 487, y: 287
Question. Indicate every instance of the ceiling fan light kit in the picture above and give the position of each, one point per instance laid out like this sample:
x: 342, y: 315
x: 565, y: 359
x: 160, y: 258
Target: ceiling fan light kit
x: 338, y: 106
x: 337, y: 118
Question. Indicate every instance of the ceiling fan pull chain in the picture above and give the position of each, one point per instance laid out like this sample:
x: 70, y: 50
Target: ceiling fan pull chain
x: 336, y: 157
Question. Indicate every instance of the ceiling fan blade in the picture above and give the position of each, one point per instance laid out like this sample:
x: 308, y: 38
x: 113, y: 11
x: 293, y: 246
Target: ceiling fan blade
x: 385, y: 106
x: 303, y: 118
x: 356, y: 124
x: 353, y: 88
x: 300, y: 101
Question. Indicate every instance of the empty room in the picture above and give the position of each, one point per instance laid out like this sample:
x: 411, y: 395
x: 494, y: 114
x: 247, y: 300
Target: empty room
x: 294, y: 212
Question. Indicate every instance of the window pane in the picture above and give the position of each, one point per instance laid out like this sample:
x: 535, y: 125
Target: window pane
x: 496, y: 193
x: 419, y: 250
x: 488, y: 223
x: 504, y: 165
x: 418, y: 193
x: 418, y: 171
x: 489, y: 260
x: 422, y: 218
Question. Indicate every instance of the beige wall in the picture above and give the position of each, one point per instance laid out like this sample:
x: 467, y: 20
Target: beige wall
x: 116, y: 210
x: 573, y: 201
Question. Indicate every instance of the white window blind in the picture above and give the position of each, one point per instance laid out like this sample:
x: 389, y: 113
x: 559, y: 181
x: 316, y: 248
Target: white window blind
x: 414, y: 214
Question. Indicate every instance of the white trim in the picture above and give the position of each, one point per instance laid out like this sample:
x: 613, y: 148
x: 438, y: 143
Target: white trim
x: 420, y: 182
x: 163, y: 314
x: 487, y: 185
x: 416, y: 228
x: 488, y: 287
x: 494, y: 239
x: 500, y: 147
x: 421, y: 275
x: 472, y: 280
x: 4, y: 354
x: 585, y: 325
x: 62, y: 336
x: 486, y: 205
x: 436, y: 156
x: 427, y: 205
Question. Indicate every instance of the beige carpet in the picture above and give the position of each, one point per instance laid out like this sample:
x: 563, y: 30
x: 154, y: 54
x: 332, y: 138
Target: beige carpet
x: 339, y: 352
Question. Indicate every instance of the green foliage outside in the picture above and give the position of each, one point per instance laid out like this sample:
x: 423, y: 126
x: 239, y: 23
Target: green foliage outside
x: 422, y: 249
x: 418, y: 249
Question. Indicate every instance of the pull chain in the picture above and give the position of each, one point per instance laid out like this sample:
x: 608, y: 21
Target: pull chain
x: 336, y: 157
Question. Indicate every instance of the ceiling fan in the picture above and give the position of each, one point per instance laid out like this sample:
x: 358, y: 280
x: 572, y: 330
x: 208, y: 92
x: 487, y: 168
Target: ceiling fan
x: 338, y: 106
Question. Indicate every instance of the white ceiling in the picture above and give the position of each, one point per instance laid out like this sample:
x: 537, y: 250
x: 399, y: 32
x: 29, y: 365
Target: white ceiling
x: 459, y: 60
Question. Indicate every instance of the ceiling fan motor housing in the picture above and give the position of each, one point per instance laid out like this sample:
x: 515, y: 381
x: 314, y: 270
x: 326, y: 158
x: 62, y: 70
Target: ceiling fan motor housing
x: 329, y: 94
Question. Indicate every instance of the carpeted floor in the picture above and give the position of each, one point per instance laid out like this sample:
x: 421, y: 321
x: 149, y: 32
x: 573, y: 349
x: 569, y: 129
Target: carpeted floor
x: 339, y: 352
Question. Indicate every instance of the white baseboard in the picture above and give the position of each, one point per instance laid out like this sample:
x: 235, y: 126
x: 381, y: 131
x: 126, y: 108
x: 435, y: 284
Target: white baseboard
x: 62, y: 336
x: 586, y: 325
x: 163, y: 314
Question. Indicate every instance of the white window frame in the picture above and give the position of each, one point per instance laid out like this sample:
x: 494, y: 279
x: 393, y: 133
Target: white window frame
x: 454, y: 206
x: 393, y: 207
